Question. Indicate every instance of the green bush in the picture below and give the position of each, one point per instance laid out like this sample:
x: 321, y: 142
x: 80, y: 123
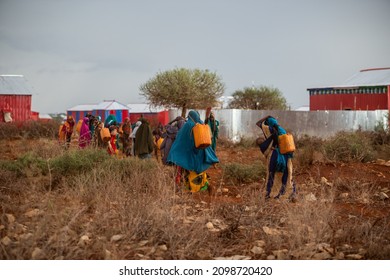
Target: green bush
x: 77, y: 161
x: 28, y: 161
x: 244, y: 173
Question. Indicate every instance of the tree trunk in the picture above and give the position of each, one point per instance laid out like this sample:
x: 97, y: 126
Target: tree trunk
x: 184, y: 111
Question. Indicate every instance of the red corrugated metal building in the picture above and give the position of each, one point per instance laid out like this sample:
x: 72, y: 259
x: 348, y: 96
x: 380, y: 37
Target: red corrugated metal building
x: 154, y: 115
x: 15, y: 98
x: 369, y: 89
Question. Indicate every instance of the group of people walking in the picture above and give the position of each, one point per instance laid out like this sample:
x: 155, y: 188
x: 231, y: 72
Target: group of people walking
x: 173, y: 144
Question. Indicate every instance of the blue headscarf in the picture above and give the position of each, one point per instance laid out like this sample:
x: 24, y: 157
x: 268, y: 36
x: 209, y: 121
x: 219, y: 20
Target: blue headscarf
x: 183, y: 152
x: 272, y: 122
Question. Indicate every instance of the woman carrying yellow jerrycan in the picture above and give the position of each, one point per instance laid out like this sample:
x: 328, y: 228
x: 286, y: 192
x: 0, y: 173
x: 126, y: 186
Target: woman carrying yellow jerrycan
x: 186, y: 155
x: 278, y: 149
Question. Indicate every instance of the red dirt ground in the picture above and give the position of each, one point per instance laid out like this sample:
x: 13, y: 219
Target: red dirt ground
x: 367, y: 175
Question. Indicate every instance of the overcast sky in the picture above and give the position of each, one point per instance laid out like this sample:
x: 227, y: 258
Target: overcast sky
x: 86, y: 51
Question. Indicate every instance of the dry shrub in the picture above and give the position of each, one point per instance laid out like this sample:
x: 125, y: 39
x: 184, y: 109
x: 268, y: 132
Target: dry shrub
x: 130, y: 197
x: 29, y: 130
x: 349, y: 146
x: 244, y: 173
x: 306, y: 147
x: 309, y: 222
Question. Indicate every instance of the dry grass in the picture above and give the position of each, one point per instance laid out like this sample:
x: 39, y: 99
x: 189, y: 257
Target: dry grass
x: 58, y: 204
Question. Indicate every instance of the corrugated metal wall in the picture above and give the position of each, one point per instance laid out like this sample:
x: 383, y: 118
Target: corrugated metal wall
x: 153, y: 118
x: 236, y: 124
x: 19, y: 105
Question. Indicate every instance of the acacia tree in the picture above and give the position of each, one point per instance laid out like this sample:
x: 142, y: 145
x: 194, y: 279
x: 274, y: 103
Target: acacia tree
x: 183, y: 88
x: 264, y: 98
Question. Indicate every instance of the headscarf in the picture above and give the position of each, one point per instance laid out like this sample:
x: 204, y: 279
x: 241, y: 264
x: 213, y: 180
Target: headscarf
x: 85, y: 135
x: 111, y: 120
x: 183, y: 152
x: 137, y: 125
x: 272, y: 122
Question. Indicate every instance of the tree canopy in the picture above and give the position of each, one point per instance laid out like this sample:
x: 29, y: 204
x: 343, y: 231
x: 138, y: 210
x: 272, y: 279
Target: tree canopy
x: 258, y: 98
x: 184, y: 88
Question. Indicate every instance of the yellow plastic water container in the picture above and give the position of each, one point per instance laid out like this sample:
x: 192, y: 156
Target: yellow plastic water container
x: 286, y: 143
x: 105, y: 134
x: 202, y: 135
x: 159, y: 142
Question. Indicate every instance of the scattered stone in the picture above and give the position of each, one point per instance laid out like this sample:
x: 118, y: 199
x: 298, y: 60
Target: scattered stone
x: 344, y: 195
x: 225, y: 190
x: 324, y: 247
x: 325, y: 181
x: 84, y: 240
x: 2, y: 227
x: 257, y: 250
x: 6, y: 241
x: 280, y: 254
x: 25, y: 236
x: 143, y: 243
x: 38, y: 254
x: 107, y: 255
x: 10, y: 218
x: 187, y: 221
x: 238, y: 196
x: 354, y: 257
x: 19, y: 228
x: 117, y: 237
x: 310, y: 197
x: 163, y: 247
x: 33, y: 213
x: 364, y: 200
x: 383, y: 196
x: 259, y: 243
x: 322, y: 256
x: 210, y: 225
x: 271, y: 231
x: 271, y: 257
x: 362, y: 251
x: 382, y: 162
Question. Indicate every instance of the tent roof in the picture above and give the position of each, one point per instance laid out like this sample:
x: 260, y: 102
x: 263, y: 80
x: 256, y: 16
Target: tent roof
x: 84, y: 107
x: 105, y: 105
x: 111, y: 105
